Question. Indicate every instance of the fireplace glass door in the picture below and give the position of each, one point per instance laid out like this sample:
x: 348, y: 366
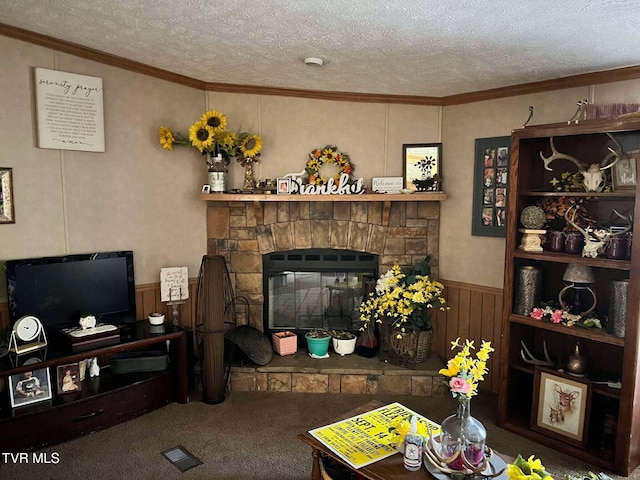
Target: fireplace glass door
x: 316, y: 289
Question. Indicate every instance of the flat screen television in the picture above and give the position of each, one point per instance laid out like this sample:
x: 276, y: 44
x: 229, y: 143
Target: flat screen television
x: 58, y: 290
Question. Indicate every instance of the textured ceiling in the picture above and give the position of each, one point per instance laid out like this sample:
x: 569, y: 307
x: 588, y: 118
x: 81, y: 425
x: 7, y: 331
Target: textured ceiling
x: 404, y: 47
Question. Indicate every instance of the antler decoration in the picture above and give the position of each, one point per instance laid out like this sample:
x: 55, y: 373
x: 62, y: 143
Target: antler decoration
x: 555, y: 155
x: 531, y: 359
x: 592, y: 245
x: 593, y: 178
x: 616, y: 153
x: 441, y: 463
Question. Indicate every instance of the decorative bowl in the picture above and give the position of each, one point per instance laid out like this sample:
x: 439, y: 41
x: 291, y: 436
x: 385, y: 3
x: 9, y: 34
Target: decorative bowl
x: 156, y: 318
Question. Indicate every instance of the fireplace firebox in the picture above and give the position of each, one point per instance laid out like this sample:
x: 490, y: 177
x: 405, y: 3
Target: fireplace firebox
x: 315, y: 288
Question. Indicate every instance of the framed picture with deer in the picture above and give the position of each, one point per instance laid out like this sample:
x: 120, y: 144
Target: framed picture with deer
x: 561, y: 404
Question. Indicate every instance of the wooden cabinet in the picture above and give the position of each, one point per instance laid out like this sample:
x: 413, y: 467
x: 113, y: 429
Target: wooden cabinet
x: 611, y: 425
x: 103, y: 401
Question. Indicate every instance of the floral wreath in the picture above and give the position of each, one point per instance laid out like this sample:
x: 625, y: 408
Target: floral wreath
x: 329, y: 155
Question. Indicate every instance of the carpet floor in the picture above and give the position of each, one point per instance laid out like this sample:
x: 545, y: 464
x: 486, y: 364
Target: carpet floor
x: 250, y: 436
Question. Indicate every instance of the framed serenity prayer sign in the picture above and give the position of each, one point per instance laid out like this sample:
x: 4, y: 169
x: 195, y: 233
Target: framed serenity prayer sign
x: 70, y: 111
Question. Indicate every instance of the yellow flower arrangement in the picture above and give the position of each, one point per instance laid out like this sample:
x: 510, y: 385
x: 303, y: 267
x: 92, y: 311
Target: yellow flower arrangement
x: 464, y: 371
x: 327, y: 155
x: 209, y: 135
x: 530, y: 469
x: 400, y: 426
x: 406, y: 298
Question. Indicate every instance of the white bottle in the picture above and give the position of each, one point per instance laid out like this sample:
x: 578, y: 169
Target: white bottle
x: 413, y: 447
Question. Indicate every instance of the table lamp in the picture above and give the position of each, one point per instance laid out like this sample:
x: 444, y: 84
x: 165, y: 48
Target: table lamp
x: 578, y: 277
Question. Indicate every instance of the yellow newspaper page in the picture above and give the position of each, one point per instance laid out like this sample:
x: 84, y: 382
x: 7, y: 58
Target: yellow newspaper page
x: 365, y: 439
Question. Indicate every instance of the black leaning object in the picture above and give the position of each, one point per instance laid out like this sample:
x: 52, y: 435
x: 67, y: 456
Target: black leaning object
x: 253, y: 343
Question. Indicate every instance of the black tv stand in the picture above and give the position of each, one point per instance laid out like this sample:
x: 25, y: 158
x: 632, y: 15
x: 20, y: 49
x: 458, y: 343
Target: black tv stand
x: 103, y: 401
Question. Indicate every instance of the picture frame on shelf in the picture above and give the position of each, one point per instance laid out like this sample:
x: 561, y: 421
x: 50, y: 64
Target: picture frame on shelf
x: 206, y: 188
x: 623, y: 174
x: 561, y: 404
x: 421, y: 165
x: 283, y: 185
x: 6, y: 196
x: 68, y: 378
x: 29, y: 387
x: 491, y: 186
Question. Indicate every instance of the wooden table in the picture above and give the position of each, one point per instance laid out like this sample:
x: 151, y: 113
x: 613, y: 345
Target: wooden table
x: 389, y: 468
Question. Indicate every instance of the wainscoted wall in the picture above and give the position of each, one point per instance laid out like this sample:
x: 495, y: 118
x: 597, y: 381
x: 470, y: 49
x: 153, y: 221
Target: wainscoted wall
x: 147, y: 301
x: 474, y: 313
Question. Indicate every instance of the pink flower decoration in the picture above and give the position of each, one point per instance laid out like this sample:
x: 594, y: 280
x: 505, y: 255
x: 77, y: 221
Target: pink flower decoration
x: 537, y: 313
x: 459, y: 385
x: 556, y: 317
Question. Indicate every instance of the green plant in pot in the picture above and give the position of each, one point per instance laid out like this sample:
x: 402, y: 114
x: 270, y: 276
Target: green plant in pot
x: 318, y: 342
x: 344, y: 343
x: 406, y: 299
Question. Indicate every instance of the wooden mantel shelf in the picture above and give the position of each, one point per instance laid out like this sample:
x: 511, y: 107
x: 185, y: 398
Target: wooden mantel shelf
x: 366, y: 197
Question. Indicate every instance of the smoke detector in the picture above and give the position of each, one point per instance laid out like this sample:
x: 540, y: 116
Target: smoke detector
x: 314, y: 61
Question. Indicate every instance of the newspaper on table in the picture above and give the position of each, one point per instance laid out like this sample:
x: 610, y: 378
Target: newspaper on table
x: 364, y: 439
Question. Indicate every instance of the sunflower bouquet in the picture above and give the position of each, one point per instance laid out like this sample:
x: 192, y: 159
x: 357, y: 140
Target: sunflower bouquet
x: 210, y: 136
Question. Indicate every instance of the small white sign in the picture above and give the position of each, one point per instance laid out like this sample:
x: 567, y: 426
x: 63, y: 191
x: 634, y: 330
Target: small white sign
x: 174, y: 284
x: 386, y: 184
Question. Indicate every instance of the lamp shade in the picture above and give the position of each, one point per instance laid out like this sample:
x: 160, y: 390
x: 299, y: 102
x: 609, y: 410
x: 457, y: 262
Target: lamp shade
x: 578, y: 274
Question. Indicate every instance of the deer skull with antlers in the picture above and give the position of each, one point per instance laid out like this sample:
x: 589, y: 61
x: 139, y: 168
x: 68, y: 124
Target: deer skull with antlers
x: 593, y: 176
x: 595, y: 240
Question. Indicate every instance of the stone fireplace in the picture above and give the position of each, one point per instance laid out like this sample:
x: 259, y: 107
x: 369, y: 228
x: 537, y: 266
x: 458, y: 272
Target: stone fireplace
x: 404, y: 230
x: 244, y: 231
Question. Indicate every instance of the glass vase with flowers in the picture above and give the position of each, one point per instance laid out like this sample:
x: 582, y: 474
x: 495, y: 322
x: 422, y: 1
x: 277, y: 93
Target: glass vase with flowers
x: 218, y: 145
x: 463, y: 437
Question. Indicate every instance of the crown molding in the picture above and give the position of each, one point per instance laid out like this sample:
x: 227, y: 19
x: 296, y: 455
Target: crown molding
x: 587, y: 79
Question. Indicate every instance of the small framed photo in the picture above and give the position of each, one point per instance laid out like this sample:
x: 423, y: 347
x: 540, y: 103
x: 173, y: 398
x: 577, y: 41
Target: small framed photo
x: 283, y: 185
x: 561, y: 405
x: 623, y: 173
x: 68, y: 378
x: 29, y: 387
x: 6, y: 196
x: 490, y: 187
x: 421, y: 166
x: 206, y: 188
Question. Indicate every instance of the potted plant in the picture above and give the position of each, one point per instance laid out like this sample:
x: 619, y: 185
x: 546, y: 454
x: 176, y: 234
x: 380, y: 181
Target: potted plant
x: 405, y: 299
x: 344, y: 343
x: 318, y: 342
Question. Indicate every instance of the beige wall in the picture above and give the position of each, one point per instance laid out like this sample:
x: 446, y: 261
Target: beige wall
x: 476, y: 259
x: 140, y: 197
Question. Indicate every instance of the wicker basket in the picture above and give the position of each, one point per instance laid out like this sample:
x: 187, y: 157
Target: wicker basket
x: 413, y: 348
x: 285, y: 343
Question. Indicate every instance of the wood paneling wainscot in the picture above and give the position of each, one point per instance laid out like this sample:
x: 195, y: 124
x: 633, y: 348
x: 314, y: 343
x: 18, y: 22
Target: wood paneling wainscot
x: 475, y: 313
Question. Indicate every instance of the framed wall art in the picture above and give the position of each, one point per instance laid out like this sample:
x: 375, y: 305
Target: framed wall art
x: 491, y: 186
x: 623, y: 173
x: 561, y: 404
x: 6, y: 196
x: 29, y: 387
x: 422, y: 166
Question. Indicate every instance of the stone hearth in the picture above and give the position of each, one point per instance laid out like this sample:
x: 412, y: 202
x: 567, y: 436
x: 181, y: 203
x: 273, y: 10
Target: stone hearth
x: 349, y: 374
